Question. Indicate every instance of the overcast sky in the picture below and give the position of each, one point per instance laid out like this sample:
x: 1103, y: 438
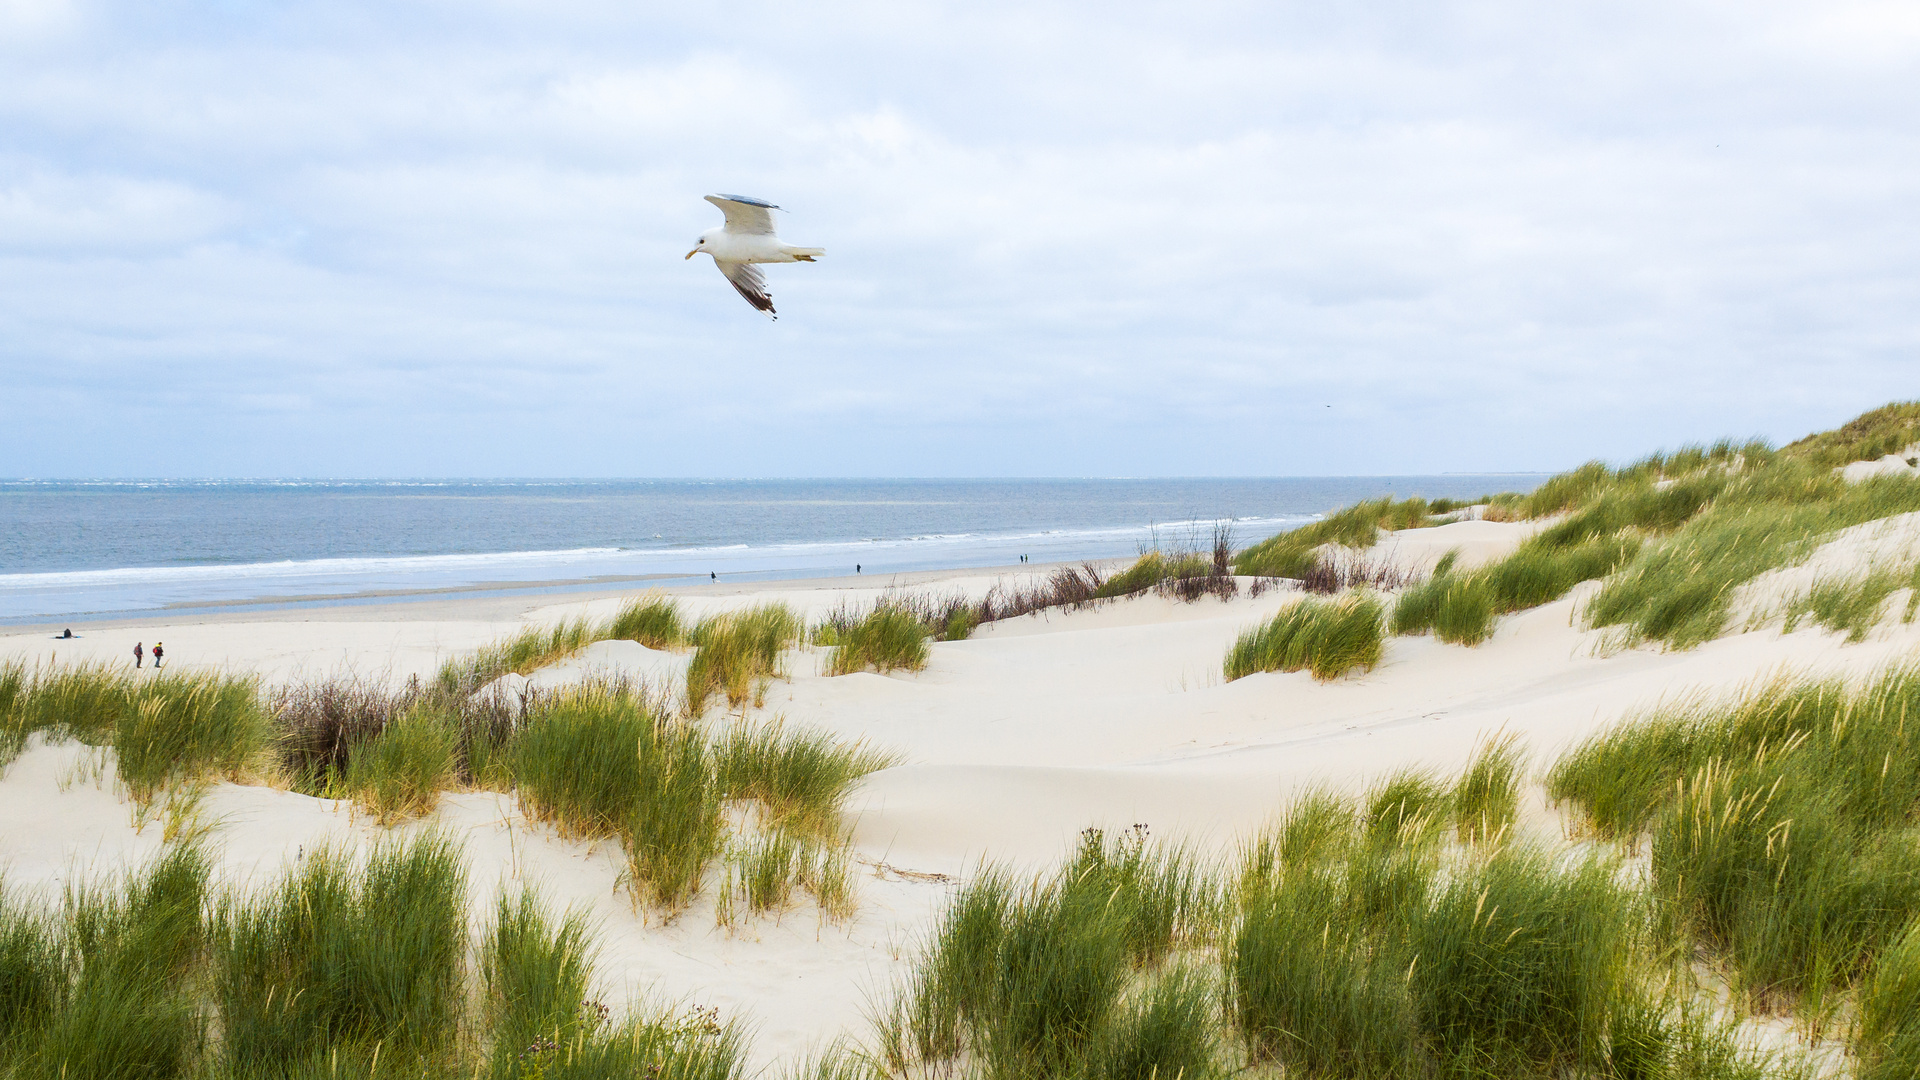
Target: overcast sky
x: 397, y: 238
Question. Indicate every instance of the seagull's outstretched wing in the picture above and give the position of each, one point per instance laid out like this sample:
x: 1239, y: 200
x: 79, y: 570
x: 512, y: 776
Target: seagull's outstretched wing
x: 750, y: 282
x: 745, y: 215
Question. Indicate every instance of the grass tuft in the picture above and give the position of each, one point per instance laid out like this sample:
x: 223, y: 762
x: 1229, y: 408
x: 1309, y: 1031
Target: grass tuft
x: 653, y: 621
x: 1853, y: 606
x: 1680, y: 590
x: 1886, y: 1033
x: 400, y: 771
x: 1327, y: 637
x: 1461, y: 608
x: 1521, y: 959
x: 32, y: 971
x: 1870, y: 436
x: 338, y: 955
x: 1033, y: 981
x: 169, y: 728
x: 800, y: 776
x: 15, y: 685
x: 738, y: 653
x: 1292, y: 554
x: 1309, y: 988
x: 537, y: 974
x: 889, y: 638
x: 187, y: 727
x: 122, y: 1014
x: 1779, y: 823
x: 599, y: 761
x: 1166, y: 1030
x: 1486, y: 798
x: 531, y: 649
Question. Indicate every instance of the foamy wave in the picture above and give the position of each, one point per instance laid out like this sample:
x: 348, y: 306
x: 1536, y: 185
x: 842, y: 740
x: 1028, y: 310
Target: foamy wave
x: 133, y: 589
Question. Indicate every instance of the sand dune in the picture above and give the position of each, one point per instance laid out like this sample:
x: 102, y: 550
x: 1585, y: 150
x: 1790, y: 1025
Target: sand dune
x: 1012, y: 741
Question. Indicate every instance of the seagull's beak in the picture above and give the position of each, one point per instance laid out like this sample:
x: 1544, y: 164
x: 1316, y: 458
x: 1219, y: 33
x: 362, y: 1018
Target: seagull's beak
x: 692, y: 253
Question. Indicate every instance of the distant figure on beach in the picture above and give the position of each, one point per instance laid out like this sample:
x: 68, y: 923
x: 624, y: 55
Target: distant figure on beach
x: 856, y: 568
x: 715, y: 575
x: 139, y: 654
x: 156, y: 654
x: 67, y: 633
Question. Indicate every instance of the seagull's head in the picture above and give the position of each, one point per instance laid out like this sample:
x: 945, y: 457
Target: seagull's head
x: 705, y: 243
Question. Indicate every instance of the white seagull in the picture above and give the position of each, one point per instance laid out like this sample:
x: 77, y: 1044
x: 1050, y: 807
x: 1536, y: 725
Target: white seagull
x: 747, y: 238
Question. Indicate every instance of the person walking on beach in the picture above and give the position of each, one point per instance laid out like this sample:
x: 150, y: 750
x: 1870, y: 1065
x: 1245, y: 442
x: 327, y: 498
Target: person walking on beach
x: 156, y: 654
x: 139, y: 654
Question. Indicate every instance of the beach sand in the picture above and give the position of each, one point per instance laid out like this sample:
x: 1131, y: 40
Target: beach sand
x: 1012, y: 741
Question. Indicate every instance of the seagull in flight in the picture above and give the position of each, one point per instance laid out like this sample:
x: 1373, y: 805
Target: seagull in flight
x: 747, y: 238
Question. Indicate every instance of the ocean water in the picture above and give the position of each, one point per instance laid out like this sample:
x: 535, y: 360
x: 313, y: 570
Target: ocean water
x: 77, y: 550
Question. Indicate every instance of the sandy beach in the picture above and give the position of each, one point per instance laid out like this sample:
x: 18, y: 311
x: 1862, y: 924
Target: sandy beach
x: 1011, y: 742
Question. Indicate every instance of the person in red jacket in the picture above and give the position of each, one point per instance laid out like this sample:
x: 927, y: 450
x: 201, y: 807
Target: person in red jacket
x: 139, y: 654
x: 158, y: 651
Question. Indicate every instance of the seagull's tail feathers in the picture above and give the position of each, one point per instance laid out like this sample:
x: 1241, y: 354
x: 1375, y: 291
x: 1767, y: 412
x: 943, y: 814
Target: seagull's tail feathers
x: 800, y: 254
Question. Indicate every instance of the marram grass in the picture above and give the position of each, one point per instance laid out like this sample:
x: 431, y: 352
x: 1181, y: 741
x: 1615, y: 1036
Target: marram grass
x: 355, y: 955
x: 1327, y: 637
x: 888, y: 639
x: 33, y: 970
x: 1514, y: 962
x: 1034, y: 981
x: 1779, y: 823
x: 401, y: 771
x: 577, y: 759
x: 1486, y: 797
x: 531, y: 649
x: 536, y: 976
x: 1680, y: 591
x: 1886, y: 1032
x: 342, y: 968
x: 799, y: 775
x: 674, y: 826
x: 15, y: 686
x: 173, y: 727
x: 1672, y: 537
x: 130, y: 946
x: 601, y: 761
x: 653, y: 621
x: 1461, y: 608
x: 737, y: 653
x: 1291, y: 554
x: 1854, y: 605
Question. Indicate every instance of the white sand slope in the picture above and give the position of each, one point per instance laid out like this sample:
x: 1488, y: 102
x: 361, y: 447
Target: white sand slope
x: 1904, y: 463
x: 1890, y: 544
x: 1476, y: 543
x: 1013, y: 741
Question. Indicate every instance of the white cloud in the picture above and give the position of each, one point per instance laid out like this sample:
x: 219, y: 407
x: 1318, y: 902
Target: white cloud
x: 66, y: 214
x: 1483, y: 232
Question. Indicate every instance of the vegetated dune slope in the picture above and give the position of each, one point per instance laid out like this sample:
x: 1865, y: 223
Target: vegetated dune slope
x: 1013, y: 741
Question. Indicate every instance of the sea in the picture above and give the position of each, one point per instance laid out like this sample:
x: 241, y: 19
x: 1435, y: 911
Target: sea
x: 86, y: 550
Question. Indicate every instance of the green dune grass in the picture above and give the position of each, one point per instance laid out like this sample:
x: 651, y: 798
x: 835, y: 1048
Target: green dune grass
x: 1327, y: 637
x: 1779, y: 825
x: 653, y: 621
x: 1291, y: 554
x: 888, y: 639
x: 737, y: 653
x: 401, y: 771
